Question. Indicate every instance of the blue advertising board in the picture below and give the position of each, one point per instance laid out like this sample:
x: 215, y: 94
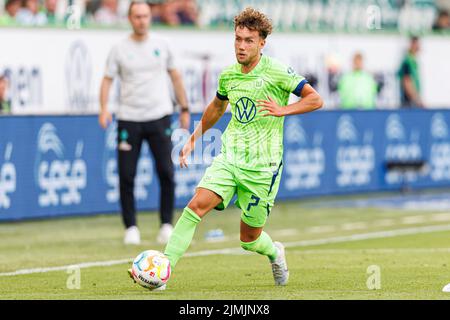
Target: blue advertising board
x: 66, y: 165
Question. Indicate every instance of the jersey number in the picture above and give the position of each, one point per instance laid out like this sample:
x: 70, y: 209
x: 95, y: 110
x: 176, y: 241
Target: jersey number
x: 253, y: 204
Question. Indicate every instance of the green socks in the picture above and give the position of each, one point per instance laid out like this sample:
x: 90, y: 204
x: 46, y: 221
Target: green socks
x: 263, y: 245
x: 181, y: 236
x: 184, y: 232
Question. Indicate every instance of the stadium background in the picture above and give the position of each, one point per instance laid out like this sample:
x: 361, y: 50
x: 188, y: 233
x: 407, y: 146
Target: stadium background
x: 55, y: 160
x: 341, y: 213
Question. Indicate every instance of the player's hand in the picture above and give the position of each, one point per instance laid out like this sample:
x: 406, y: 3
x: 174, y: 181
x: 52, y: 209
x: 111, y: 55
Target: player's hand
x: 184, y: 153
x: 272, y: 108
x: 104, y: 119
x: 185, y: 120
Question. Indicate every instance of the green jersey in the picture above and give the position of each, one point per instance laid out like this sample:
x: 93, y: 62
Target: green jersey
x: 409, y: 67
x: 252, y: 141
x: 358, y: 90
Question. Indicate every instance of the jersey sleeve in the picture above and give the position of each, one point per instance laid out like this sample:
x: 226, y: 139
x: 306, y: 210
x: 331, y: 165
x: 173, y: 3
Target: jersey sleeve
x: 112, y: 64
x: 170, y: 61
x: 405, y: 69
x: 222, y: 93
x: 290, y: 81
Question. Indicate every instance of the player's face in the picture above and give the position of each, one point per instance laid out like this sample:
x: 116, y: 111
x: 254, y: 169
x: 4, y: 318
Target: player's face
x: 247, y: 45
x: 140, y: 18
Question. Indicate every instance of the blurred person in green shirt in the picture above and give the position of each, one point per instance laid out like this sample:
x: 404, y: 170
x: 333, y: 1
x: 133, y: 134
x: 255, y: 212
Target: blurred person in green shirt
x: 409, y: 77
x: 11, y: 9
x: 357, y: 89
x: 50, y: 11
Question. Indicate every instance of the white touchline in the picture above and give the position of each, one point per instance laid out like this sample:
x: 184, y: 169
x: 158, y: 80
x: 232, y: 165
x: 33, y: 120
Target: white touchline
x: 354, y: 226
x: 302, y: 243
x: 63, y: 268
x: 402, y: 250
x: 440, y: 217
x: 414, y: 219
x: 320, y: 229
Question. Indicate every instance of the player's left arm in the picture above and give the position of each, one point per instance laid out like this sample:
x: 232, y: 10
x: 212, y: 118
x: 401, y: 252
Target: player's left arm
x: 310, y: 101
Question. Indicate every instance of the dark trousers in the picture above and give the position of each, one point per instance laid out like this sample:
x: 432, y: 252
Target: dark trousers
x: 157, y: 134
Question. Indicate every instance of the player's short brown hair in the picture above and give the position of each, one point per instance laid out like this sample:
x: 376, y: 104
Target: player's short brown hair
x: 254, y: 20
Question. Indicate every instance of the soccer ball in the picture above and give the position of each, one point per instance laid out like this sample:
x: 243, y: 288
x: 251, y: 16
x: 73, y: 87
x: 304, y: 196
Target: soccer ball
x: 151, y: 269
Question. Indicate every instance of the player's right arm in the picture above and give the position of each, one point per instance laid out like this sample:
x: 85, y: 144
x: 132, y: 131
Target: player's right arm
x: 105, y: 116
x: 111, y: 71
x: 214, y: 111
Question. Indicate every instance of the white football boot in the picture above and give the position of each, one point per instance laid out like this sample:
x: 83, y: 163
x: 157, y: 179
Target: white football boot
x: 279, y: 266
x: 164, y: 233
x: 132, y: 236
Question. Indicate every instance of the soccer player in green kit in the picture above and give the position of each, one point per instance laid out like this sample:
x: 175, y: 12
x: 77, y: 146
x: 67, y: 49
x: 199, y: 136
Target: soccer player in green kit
x: 250, y: 164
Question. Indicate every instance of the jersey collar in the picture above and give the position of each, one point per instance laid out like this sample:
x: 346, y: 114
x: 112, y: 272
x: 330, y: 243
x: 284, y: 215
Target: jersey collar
x: 257, y: 68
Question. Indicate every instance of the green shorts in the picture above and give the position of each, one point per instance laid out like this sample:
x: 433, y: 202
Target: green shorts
x: 256, y: 190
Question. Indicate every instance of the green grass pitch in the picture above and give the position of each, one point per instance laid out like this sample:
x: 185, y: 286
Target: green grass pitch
x: 329, y: 252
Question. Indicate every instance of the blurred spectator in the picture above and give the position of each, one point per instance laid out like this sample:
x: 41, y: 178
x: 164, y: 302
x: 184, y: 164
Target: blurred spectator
x: 410, y: 77
x: 5, y: 105
x: 357, y: 89
x: 156, y: 9
x: 107, y: 14
x: 169, y: 12
x: 443, y: 5
x: 188, y: 12
x: 92, y: 6
x: 11, y: 9
x: 50, y: 11
x: 175, y: 12
x: 442, y: 22
x: 30, y: 15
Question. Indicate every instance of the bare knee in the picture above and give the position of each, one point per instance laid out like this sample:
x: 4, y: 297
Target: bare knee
x: 204, y: 201
x: 246, y: 237
x: 248, y: 233
x: 198, y: 207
